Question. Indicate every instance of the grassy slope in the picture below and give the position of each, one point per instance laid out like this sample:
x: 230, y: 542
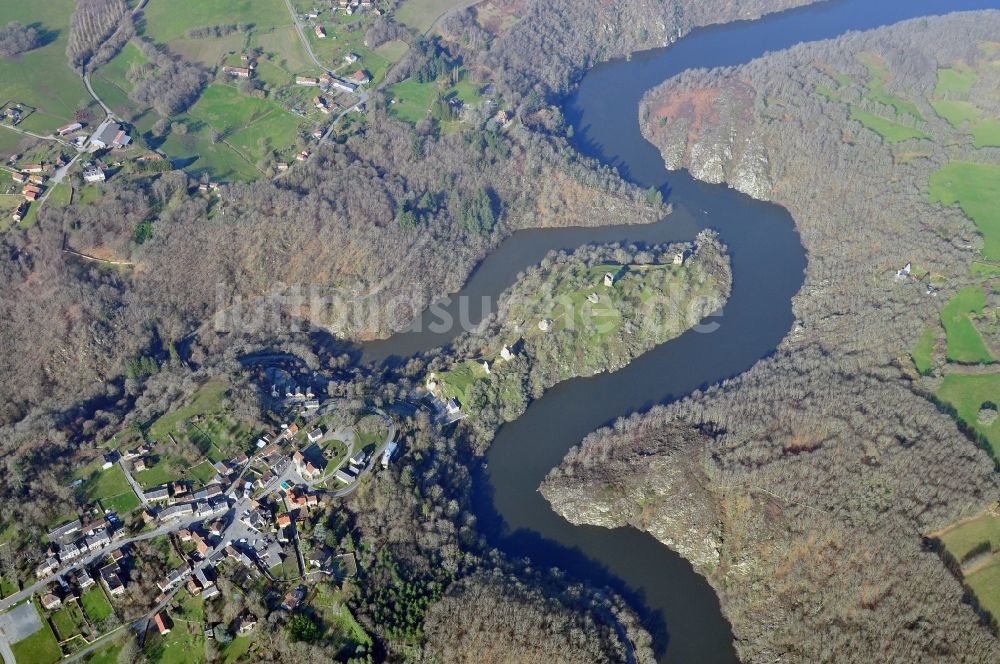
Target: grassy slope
x: 420, y: 14
x: 973, y: 187
x: 964, y: 538
x: 967, y: 394
x: 42, y: 78
x: 965, y: 344
x: 169, y: 20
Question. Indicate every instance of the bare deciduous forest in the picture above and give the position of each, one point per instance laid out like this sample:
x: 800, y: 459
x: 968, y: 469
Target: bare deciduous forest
x: 804, y: 488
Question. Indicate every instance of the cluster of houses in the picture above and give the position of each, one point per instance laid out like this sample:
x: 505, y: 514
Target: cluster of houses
x: 351, y: 6
x: 73, y: 540
x: 31, y: 177
x: 71, y: 586
x: 326, y: 82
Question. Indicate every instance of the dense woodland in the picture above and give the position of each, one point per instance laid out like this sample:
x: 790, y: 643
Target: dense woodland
x: 97, y: 31
x: 809, y: 483
x: 394, y: 215
x: 16, y: 38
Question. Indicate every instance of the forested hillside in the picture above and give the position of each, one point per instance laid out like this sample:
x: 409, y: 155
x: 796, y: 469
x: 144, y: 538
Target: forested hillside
x: 805, y: 488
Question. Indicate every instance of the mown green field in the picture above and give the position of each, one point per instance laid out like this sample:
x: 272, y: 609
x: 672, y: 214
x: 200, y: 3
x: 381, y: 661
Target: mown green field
x: 169, y: 20
x: 42, y: 77
x: 69, y: 621
x: 957, y: 113
x: 414, y: 101
x: 96, y: 605
x: 955, y: 80
x: 105, y: 654
x: 967, y: 394
x: 111, y: 82
x: 923, y: 351
x: 421, y: 14
x: 890, y: 130
x: 284, y: 45
x: 964, y: 342
x: 39, y: 648
x: 247, y: 127
x: 206, y: 400
x: 974, y: 188
x: 986, y: 134
x: 985, y: 583
x: 964, y: 538
x: 112, y: 489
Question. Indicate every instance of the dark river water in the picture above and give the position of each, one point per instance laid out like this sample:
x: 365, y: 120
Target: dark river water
x: 677, y: 605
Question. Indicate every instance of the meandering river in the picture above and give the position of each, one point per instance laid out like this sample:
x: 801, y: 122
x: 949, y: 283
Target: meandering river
x: 768, y: 260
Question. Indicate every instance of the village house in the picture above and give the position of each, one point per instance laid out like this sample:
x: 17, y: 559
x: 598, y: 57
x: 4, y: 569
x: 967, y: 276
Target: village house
x: 50, y: 565
x: 161, y: 623
x: 138, y: 465
x: 31, y: 192
x: 247, y: 623
x: 361, y: 78
x: 346, y: 475
x: 84, y: 580
x: 69, y: 128
x: 157, y: 494
x: 320, y: 32
x: 51, y: 601
x: 306, y: 80
x: 320, y: 103
x: 390, y: 449
x: 94, y: 174
x: 237, y: 72
x: 32, y: 168
x: 20, y: 211
x: 111, y: 577
x: 19, y: 178
x: 65, y: 529
x: 177, y: 511
x: 344, y: 86
x: 350, y: 58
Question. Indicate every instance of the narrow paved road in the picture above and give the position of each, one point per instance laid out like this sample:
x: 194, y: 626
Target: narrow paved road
x: 135, y: 485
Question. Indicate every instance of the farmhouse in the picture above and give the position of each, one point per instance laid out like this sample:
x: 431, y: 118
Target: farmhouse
x: 321, y: 104
x: 32, y: 168
x: 350, y: 58
x: 237, y: 72
x: 112, y: 135
x: 20, y: 211
x: 320, y: 32
x: 68, y: 129
x: 161, y: 623
x: 306, y: 80
x: 361, y: 78
x: 344, y: 86
x: 19, y: 178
